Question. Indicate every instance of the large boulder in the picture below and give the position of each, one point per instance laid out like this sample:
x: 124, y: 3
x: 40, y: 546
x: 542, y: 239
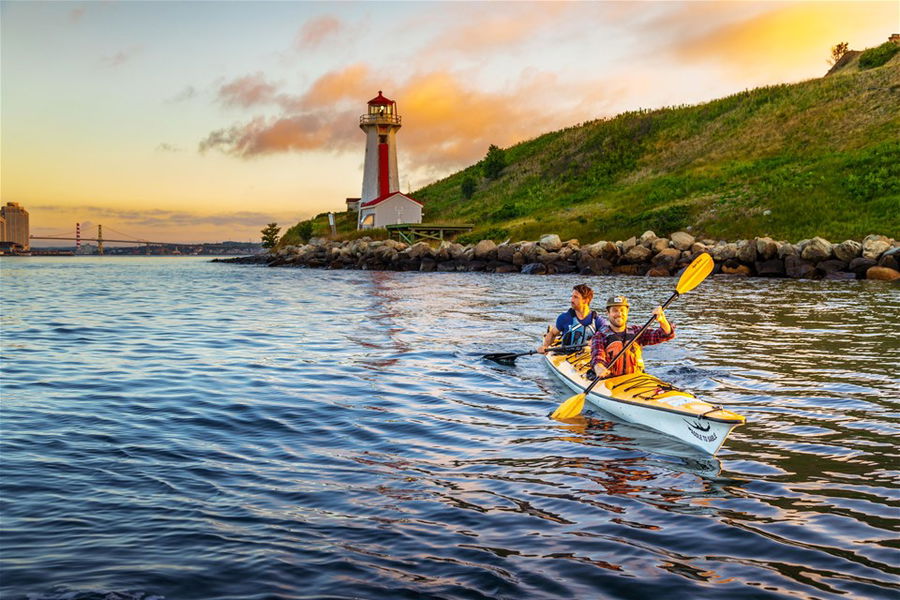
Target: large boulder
x: 882, y: 273
x: 860, y: 265
x: 659, y: 244
x: 667, y: 258
x: 628, y: 244
x: 788, y: 249
x: 485, y: 250
x: 797, y: 268
x: 638, y: 254
x: 816, y: 250
x: 551, y: 242
x: 746, y: 252
x: 890, y: 259
x: 774, y: 267
x: 766, y: 248
x: 724, y: 252
x: 682, y: 240
x: 658, y: 271
x: 647, y: 238
x: 873, y: 246
x: 418, y: 251
x: 594, y: 266
x: 736, y: 269
x: 506, y: 252
x: 847, y: 250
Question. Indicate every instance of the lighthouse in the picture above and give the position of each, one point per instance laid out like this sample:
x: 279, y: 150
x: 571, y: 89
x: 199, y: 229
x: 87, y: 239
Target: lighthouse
x: 381, y: 202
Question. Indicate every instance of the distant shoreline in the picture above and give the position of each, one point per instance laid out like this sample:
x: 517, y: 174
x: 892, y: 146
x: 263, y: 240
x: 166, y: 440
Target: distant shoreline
x: 873, y: 257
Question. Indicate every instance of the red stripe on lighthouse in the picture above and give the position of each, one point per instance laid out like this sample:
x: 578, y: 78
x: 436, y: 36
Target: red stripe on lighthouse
x: 384, y: 183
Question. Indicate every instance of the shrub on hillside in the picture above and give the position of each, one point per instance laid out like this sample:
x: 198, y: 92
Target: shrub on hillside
x: 877, y: 56
x: 467, y: 187
x: 494, y: 162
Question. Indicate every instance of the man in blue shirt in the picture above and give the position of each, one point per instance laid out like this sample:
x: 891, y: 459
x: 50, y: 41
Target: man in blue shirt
x: 577, y: 325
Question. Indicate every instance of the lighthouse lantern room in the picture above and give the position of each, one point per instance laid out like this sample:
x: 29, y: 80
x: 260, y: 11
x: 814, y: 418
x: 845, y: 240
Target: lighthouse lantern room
x: 381, y: 202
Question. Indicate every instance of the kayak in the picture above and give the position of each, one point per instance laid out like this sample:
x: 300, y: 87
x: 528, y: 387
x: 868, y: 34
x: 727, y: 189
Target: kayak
x: 647, y: 400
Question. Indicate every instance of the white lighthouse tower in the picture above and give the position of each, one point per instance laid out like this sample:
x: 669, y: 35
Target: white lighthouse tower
x: 381, y: 202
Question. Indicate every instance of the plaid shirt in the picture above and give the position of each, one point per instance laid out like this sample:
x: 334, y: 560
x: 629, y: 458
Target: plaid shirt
x: 648, y: 338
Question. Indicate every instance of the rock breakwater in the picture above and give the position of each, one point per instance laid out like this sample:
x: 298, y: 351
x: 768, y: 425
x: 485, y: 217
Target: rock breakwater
x: 874, y: 257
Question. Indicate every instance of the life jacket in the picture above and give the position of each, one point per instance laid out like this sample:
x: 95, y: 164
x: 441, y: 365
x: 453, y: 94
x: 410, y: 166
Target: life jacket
x: 631, y: 362
x: 579, y: 334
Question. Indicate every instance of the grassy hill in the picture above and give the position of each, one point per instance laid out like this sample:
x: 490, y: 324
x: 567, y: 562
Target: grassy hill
x: 821, y: 157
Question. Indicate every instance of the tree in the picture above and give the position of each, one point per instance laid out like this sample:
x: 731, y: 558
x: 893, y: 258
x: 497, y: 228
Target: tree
x: 467, y: 187
x: 270, y: 235
x: 838, y: 51
x: 494, y: 162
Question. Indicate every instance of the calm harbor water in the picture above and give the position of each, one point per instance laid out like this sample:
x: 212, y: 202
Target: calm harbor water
x: 174, y: 428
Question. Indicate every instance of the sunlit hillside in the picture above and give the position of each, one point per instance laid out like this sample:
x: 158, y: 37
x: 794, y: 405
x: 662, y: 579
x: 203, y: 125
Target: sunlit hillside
x: 821, y: 157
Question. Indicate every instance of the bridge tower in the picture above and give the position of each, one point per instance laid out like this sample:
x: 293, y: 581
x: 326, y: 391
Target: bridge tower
x: 100, y: 240
x: 77, y: 237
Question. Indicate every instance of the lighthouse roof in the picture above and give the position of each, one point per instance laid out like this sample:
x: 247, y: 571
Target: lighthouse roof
x: 379, y: 99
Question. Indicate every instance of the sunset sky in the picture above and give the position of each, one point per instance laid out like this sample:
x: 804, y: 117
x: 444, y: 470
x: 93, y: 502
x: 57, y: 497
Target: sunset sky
x: 203, y: 121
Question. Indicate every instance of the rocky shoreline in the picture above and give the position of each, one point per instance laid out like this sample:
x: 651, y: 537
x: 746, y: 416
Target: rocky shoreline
x: 874, y: 257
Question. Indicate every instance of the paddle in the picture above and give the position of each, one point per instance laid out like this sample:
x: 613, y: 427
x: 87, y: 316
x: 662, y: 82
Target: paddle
x: 695, y: 273
x: 510, y: 357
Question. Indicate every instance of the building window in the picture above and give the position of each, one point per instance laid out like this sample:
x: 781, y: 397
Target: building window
x: 368, y: 221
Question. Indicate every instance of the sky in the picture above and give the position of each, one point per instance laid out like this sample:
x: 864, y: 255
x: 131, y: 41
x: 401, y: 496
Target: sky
x: 204, y: 121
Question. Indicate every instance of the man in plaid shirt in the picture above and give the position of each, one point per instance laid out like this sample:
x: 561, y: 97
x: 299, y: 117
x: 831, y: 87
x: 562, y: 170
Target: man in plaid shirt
x: 610, y: 340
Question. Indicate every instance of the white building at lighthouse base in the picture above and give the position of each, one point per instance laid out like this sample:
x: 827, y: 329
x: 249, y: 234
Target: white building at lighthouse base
x: 389, y: 209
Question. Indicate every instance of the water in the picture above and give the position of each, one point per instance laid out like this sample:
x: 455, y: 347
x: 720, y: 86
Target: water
x: 173, y: 428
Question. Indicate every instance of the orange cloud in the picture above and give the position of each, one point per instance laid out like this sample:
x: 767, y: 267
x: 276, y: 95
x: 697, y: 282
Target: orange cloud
x: 316, y: 31
x: 448, y: 122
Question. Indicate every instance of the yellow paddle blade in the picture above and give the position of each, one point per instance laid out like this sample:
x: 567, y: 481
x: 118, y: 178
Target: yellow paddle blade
x: 695, y: 273
x: 570, y: 408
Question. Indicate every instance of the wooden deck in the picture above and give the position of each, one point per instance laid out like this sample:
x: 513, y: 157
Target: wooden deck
x: 417, y: 232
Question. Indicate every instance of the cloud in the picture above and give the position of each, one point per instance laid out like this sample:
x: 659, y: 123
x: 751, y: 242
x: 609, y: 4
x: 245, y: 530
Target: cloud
x: 164, y: 147
x: 448, y: 122
x: 316, y: 31
x: 121, y: 57
x: 244, y: 92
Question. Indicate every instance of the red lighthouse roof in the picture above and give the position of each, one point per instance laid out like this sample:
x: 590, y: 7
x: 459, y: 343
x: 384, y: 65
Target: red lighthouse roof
x: 379, y: 99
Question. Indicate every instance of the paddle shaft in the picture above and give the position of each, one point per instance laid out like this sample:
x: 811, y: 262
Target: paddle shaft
x: 632, y: 341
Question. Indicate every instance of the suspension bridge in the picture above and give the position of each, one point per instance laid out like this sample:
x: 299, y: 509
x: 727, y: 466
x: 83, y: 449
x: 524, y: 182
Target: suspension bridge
x: 78, y: 238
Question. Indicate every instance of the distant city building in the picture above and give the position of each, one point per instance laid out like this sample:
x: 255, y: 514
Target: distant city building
x: 895, y: 37
x: 16, y: 224
x: 381, y: 202
x: 2, y: 229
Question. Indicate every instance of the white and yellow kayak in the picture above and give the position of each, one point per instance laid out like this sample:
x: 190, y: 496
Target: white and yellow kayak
x: 646, y: 400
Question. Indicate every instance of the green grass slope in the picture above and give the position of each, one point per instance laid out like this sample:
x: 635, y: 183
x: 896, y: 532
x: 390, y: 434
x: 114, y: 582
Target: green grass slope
x: 821, y: 157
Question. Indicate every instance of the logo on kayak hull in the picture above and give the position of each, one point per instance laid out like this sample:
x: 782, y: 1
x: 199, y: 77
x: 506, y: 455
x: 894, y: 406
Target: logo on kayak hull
x: 699, y: 430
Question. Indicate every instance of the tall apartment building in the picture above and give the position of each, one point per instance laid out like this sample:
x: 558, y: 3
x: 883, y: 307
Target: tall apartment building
x: 16, y: 229
x: 2, y: 229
